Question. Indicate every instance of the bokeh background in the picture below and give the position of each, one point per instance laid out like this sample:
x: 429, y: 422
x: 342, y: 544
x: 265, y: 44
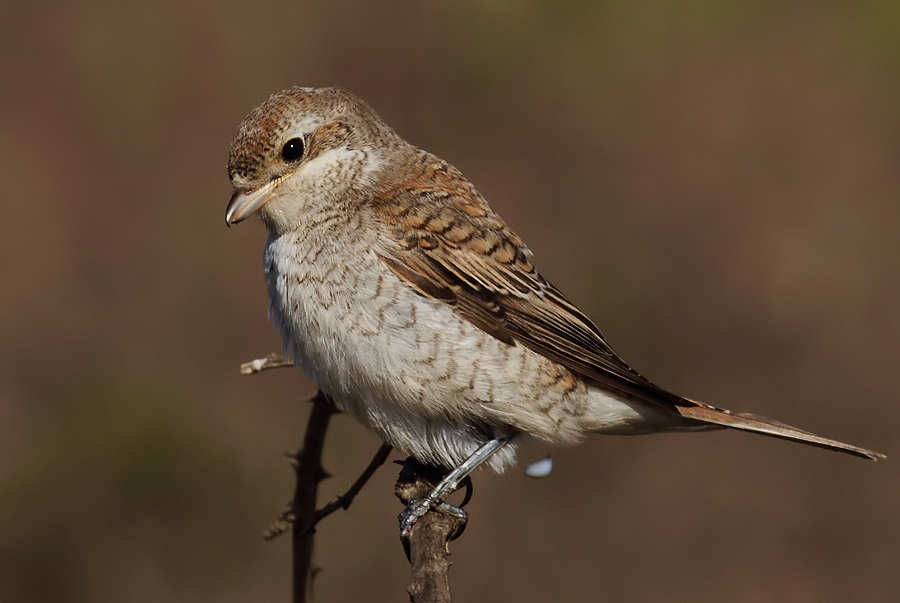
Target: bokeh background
x: 716, y: 183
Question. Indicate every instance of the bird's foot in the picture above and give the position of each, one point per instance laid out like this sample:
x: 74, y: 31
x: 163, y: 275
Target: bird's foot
x: 417, y: 508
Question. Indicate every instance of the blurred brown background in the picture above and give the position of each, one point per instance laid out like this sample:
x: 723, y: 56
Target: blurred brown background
x: 716, y: 184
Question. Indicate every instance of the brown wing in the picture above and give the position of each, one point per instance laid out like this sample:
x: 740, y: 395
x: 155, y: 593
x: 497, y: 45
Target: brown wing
x: 454, y: 248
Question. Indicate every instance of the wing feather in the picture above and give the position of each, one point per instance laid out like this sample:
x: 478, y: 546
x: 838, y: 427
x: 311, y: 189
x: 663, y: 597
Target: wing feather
x: 454, y: 248
x: 449, y: 245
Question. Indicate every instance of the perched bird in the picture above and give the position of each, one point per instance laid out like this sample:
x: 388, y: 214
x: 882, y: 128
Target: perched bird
x: 411, y: 303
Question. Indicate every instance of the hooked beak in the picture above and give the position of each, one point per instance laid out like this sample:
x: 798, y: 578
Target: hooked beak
x: 244, y: 203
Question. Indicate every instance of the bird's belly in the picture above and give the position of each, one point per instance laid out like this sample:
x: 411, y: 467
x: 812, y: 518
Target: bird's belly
x: 372, y: 342
x: 409, y: 367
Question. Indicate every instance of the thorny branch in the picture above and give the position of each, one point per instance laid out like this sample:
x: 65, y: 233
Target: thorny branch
x: 260, y: 364
x: 343, y: 501
x: 307, y: 465
x: 427, y: 545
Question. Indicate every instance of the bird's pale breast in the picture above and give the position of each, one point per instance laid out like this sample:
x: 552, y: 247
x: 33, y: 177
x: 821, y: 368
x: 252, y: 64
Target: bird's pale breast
x: 407, y: 366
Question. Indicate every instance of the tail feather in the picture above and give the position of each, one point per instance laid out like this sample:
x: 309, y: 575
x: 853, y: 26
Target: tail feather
x: 770, y: 427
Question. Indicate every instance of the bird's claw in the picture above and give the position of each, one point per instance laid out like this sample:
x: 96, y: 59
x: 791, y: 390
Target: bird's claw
x: 417, y: 508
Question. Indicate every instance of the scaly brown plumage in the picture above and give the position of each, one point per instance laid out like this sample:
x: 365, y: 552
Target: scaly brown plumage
x: 415, y: 307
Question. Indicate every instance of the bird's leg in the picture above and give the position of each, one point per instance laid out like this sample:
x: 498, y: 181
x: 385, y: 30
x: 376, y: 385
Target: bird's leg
x: 417, y: 508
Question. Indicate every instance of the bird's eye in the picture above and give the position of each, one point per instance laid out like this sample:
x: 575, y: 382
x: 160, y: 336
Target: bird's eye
x: 292, y: 149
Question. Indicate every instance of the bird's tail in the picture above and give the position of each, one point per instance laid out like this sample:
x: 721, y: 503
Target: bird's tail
x: 770, y: 427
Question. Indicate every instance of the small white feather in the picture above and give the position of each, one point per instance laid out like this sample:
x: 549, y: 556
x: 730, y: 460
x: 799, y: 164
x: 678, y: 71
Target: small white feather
x: 541, y: 468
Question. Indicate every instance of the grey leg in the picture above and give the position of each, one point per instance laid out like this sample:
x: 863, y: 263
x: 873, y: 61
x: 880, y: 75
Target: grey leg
x: 418, y: 508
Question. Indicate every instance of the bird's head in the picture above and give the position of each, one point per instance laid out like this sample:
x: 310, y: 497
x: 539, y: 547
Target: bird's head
x: 304, y: 146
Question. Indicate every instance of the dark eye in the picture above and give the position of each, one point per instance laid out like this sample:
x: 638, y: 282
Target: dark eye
x: 292, y: 149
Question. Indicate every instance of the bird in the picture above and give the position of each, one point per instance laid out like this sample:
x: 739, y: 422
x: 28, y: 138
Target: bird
x: 413, y: 306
